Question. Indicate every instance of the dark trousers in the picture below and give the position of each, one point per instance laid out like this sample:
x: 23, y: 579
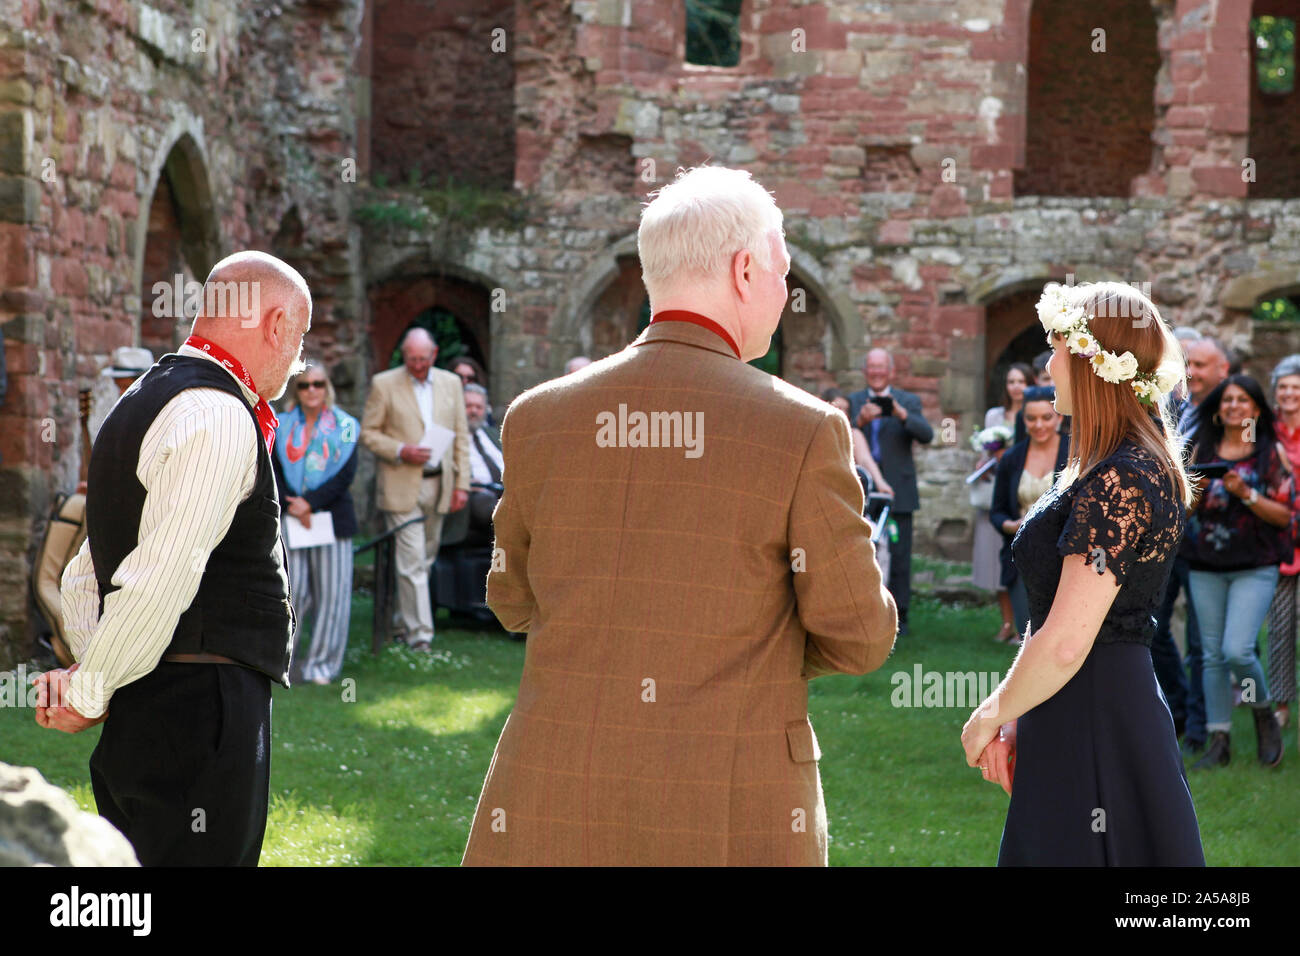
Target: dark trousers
x: 183, y: 765
x: 900, y: 565
x: 1184, y: 691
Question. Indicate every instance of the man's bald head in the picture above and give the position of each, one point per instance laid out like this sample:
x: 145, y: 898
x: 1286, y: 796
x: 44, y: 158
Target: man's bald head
x: 1207, y: 366
x: 879, y: 369
x: 419, y: 350
x: 258, y: 308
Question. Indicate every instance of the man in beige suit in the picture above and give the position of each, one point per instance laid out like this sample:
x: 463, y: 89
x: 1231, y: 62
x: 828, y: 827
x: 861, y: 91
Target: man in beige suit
x: 404, y: 403
x: 681, y: 537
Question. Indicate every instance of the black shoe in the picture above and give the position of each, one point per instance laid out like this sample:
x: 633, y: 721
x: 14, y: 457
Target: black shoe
x: 1268, y: 736
x: 1217, y: 754
x: 1193, y: 745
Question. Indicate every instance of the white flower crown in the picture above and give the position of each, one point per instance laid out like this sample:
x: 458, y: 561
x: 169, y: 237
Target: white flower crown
x: 1058, y: 313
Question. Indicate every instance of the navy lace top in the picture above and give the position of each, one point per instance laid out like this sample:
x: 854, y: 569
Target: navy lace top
x: 1124, y: 516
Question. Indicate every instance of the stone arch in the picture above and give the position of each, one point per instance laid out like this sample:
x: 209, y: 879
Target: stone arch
x: 1269, y: 341
x: 1010, y: 320
x: 572, y: 330
x: 178, y: 228
x: 400, y: 290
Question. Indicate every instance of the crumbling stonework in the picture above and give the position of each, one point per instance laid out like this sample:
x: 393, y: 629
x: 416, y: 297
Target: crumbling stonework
x: 933, y: 168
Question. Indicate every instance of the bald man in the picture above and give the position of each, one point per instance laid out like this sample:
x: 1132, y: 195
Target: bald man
x: 403, y: 405
x: 177, y: 607
x: 892, y: 421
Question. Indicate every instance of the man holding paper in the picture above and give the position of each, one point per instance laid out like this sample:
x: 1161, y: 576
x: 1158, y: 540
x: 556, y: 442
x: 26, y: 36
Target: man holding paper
x: 414, y: 424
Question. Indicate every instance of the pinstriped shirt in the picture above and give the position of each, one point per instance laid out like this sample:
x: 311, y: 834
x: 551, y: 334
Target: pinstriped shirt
x: 198, y: 461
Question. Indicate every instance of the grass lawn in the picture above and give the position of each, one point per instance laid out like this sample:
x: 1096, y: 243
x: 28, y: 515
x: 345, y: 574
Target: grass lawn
x: 392, y: 777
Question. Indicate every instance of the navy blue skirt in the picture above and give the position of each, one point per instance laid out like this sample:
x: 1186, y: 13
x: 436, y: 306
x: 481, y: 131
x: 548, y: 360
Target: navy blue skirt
x: 1099, y: 780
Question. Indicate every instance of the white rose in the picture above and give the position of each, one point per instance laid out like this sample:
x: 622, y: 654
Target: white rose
x: 1127, y: 364
x: 1166, y: 378
x: 1051, y: 304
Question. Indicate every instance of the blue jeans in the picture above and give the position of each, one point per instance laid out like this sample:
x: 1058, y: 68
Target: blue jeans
x: 1230, y: 608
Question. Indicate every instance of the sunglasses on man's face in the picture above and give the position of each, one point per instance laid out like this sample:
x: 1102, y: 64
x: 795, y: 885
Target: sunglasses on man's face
x: 303, y: 386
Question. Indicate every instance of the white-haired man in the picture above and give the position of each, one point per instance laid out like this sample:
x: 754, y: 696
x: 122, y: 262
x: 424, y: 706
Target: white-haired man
x: 177, y: 607
x: 682, y: 539
x: 403, y: 408
x: 892, y: 421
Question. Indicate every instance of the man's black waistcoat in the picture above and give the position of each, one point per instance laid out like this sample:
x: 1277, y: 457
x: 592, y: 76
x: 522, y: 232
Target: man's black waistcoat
x: 242, y: 608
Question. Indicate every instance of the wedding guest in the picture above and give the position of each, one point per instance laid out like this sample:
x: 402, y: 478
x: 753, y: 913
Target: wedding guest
x: 1077, y: 732
x: 1024, y: 474
x: 986, y: 562
x: 315, y: 462
x: 177, y: 607
x: 892, y: 421
x: 470, y: 372
x: 862, y: 456
x: 1236, y: 539
x: 1281, y: 613
x: 1207, y: 365
x: 1042, y: 377
x: 486, y: 464
x: 402, y: 408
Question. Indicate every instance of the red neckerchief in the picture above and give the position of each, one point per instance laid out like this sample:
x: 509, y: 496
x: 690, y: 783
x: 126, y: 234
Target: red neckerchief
x: 682, y: 315
x: 265, y: 417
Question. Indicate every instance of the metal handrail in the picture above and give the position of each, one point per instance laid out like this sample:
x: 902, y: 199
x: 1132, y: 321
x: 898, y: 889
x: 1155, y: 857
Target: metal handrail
x: 385, y: 578
x: 381, y: 628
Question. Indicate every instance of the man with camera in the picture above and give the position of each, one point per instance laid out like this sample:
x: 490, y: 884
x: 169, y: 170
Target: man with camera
x: 892, y: 421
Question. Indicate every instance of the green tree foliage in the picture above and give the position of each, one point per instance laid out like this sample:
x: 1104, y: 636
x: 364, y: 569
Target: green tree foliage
x: 1274, y: 53
x: 713, y: 32
x: 1277, y: 310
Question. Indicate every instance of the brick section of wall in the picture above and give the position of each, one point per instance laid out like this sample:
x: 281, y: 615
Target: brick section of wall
x: 1091, y: 109
x: 443, y: 90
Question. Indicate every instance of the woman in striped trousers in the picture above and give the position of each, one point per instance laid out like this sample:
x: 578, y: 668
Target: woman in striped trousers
x: 315, y: 462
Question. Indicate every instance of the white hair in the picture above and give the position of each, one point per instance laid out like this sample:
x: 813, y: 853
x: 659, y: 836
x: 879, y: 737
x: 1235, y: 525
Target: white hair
x: 694, y: 226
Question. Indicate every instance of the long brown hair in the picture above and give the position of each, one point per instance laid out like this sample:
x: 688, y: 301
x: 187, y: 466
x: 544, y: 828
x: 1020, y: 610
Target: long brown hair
x: 1122, y: 319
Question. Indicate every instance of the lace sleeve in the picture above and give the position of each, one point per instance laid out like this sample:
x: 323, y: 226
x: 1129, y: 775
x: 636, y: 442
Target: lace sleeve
x: 1111, y: 514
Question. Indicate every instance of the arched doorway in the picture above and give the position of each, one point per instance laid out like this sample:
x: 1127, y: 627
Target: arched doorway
x: 456, y: 311
x: 1012, y: 334
x: 180, y: 246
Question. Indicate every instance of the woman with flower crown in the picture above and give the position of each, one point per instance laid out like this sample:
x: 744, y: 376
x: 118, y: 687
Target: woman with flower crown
x: 1079, y: 733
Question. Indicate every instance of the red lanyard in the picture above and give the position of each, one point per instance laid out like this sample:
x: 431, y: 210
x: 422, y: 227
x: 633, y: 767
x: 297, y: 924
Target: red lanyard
x: 682, y: 315
x: 265, y: 417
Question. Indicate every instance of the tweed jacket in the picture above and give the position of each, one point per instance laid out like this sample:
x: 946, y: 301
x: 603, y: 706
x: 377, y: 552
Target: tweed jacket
x: 677, y: 600
x: 392, y: 418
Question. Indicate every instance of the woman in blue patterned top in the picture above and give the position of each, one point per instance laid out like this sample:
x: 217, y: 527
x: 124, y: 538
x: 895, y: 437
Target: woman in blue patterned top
x: 1079, y: 724
x: 1237, y: 538
x: 315, y: 461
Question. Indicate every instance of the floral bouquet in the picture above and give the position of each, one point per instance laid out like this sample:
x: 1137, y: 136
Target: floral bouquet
x: 992, y: 439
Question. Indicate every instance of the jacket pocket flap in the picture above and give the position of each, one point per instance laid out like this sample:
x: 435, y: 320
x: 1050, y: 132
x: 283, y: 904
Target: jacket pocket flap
x: 803, y: 742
